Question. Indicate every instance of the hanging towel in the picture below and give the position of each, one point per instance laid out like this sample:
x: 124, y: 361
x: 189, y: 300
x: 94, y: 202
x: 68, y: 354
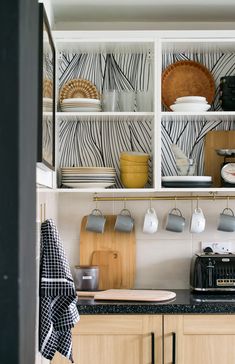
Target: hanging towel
x: 58, y: 309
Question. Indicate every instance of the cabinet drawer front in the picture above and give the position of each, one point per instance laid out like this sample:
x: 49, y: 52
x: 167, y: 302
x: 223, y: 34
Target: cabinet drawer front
x: 104, y: 324
x: 209, y: 324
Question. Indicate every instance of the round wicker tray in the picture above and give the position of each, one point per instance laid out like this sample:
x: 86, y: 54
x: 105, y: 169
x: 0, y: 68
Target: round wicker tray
x: 186, y: 78
x: 79, y: 89
x: 47, y: 88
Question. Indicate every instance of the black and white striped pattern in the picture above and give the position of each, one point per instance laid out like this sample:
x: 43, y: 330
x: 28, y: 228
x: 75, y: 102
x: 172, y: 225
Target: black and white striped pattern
x: 47, y: 139
x: 47, y: 65
x: 98, y: 141
x: 107, y: 71
x: 188, y: 133
x: 58, y: 310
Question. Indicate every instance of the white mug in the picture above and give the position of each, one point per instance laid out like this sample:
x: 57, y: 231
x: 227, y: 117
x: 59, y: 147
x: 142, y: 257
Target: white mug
x: 150, y: 221
x: 198, y: 221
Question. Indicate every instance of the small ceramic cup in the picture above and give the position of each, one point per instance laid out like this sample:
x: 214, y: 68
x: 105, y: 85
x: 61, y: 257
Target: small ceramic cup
x: 198, y: 221
x: 175, y: 221
x: 95, y: 221
x: 226, y: 220
x: 124, y: 221
x: 150, y: 221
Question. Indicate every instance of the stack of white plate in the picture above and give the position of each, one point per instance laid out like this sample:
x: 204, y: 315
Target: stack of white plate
x: 88, y: 177
x: 81, y: 105
x: 186, y: 181
x: 190, y: 104
x: 47, y: 104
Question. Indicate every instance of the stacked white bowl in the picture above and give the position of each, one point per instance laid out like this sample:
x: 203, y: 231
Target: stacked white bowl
x: 190, y: 104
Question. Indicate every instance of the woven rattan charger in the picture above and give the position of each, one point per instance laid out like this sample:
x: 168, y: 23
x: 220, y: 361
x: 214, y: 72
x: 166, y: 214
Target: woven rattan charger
x: 47, y: 88
x: 186, y: 78
x: 79, y: 89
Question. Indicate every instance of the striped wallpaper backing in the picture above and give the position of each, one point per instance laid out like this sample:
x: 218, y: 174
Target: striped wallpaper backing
x: 99, y: 140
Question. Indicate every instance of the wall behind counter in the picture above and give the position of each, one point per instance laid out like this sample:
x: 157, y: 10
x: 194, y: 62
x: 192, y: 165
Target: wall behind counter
x: 162, y: 259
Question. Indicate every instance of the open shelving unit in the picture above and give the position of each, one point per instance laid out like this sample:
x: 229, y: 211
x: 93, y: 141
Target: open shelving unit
x: 89, y: 55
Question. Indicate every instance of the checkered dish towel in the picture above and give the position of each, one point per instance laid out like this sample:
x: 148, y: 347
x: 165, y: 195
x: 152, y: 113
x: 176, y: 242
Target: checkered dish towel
x: 58, y: 310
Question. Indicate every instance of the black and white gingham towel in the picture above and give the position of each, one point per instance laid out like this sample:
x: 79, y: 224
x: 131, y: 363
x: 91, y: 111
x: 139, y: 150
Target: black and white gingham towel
x: 58, y: 310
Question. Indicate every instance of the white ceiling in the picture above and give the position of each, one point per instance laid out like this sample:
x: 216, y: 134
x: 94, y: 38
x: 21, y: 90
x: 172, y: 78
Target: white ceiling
x: 143, y: 10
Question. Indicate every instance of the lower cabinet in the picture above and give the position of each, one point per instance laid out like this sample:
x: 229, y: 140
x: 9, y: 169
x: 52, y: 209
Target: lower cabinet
x: 116, y: 339
x: 139, y: 339
x: 194, y: 339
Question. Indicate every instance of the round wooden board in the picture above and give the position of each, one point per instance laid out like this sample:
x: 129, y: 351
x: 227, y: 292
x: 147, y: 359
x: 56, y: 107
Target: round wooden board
x: 186, y: 78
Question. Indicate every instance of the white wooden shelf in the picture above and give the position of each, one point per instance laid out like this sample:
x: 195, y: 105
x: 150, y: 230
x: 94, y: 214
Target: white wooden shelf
x: 105, y: 190
x: 202, y: 189
x: 137, y: 190
x: 206, y: 114
x: 61, y: 115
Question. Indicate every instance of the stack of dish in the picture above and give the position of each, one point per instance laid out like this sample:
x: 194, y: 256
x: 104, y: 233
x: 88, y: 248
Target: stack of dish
x: 187, y: 181
x: 88, y: 177
x: 79, y: 95
x: 134, y: 169
x: 47, y: 104
x: 190, y: 104
x: 81, y: 104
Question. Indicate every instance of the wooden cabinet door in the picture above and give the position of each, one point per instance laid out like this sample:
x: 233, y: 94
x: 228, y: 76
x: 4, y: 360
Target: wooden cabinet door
x: 204, y: 339
x: 116, y: 339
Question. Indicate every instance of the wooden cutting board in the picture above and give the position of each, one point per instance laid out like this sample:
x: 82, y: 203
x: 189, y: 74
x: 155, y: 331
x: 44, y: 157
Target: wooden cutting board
x: 110, y: 240
x: 135, y: 295
x: 109, y: 262
x: 212, y: 162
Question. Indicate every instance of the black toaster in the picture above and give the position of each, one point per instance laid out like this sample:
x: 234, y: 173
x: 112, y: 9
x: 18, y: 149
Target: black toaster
x: 212, y: 272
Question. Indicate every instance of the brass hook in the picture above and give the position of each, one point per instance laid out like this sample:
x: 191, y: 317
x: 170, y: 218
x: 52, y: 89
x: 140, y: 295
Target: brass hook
x: 175, y: 201
x: 124, y: 203
x: 96, y: 201
x: 197, y: 202
x: 150, y: 203
x: 227, y: 201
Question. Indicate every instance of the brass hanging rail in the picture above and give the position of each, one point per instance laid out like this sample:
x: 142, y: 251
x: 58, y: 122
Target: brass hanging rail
x: 212, y: 197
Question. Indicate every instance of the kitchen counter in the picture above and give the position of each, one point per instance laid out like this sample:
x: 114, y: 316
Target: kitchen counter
x: 184, y: 303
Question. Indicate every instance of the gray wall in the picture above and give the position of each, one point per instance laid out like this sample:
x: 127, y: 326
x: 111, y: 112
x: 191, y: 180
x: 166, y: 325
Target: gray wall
x: 18, y: 95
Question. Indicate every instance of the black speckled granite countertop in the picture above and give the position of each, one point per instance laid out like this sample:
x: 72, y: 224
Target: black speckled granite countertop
x: 184, y: 303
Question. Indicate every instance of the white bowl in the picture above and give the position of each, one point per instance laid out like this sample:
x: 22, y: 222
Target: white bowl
x: 190, y: 107
x: 196, y: 99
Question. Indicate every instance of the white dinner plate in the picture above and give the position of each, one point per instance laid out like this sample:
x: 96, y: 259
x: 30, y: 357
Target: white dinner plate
x: 88, y: 169
x: 88, y: 185
x: 187, y: 178
x: 47, y: 100
x: 81, y: 109
x: 89, y: 176
x: 78, y: 100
